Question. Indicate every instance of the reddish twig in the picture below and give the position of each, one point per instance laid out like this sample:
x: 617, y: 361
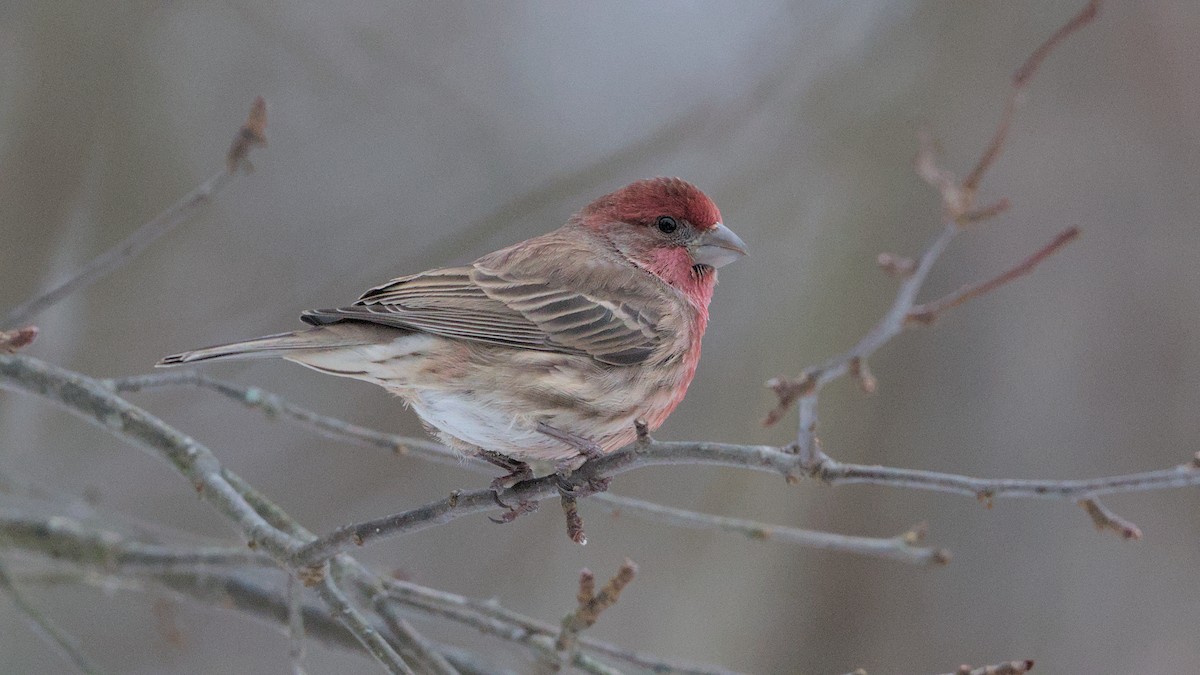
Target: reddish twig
x: 253, y: 134
x: 12, y: 340
x: 929, y: 312
x: 895, y: 266
x: 1106, y: 519
x: 1020, y: 82
x: 574, y: 520
x: 591, y: 604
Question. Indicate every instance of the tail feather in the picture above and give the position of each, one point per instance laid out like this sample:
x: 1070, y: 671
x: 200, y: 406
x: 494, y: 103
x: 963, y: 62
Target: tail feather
x: 271, y: 346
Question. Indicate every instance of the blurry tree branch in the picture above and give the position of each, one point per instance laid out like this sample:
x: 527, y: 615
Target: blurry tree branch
x: 1006, y: 668
x: 44, y: 627
x: 96, y: 551
x: 251, y: 134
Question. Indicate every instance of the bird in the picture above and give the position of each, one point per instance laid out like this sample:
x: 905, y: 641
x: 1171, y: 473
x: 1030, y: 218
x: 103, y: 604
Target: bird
x: 547, y: 351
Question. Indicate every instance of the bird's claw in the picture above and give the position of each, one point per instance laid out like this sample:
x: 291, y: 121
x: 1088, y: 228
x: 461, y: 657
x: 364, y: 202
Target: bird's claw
x: 513, y: 511
x: 576, y: 488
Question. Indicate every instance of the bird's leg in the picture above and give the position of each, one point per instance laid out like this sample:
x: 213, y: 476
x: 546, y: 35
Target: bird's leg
x: 586, y: 447
x: 517, y: 471
x: 571, y: 490
x: 563, y: 470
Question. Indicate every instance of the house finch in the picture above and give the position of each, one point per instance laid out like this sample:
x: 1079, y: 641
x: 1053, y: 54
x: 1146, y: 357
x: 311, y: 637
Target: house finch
x: 547, y: 350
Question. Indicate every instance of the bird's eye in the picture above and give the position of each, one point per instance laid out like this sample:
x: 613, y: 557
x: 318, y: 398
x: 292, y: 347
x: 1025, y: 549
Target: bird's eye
x: 667, y: 224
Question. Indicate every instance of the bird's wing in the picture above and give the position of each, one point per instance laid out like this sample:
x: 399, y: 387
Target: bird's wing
x: 617, y: 326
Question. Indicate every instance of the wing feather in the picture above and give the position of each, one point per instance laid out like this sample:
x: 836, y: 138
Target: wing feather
x: 510, y: 308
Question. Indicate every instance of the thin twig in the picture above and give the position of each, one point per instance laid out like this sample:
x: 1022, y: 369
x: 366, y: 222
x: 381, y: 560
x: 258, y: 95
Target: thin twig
x: 902, y: 548
x: 1107, y: 519
x: 367, y: 634
x: 929, y: 312
x: 413, y: 647
x: 45, y: 628
x: 1006, y: 668
x: 272, y: 405
x: 128, y: 248
x: 67, y: 538
x: 490, y: 618
x: 1020, y: 82
x: 296, y: 641
x: 590, y: 604
x: 399, y: 626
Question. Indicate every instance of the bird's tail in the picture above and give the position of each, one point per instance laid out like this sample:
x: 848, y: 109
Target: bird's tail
x: 280, y: 344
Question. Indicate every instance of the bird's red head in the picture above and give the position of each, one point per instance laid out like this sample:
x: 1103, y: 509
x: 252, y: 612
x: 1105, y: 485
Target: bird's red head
x: 669, y: 227
x: 643, y: 201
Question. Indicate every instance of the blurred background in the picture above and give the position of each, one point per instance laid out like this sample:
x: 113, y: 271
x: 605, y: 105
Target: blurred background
x: 407, y: 135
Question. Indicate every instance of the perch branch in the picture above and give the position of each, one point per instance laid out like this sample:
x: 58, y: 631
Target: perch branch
x: 89, y: 399
x: 894, y: 548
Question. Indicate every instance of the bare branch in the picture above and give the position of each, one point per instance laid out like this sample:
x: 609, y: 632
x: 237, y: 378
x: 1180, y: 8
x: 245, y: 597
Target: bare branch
x: 903, y: 548
x: 929, y: 312
x: 131, y: 246
x: 591, y: 604
x: 1020, y: 82
x: 89, y: 400
x: 63, y: 644
x: 295, y: 623
x: 357, y: 624
x: 958, y: 205
x: 100, y: 552
x: 427, y: 658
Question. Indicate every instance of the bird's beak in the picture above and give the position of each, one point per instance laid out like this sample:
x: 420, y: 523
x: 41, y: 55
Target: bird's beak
x: 717, y: 247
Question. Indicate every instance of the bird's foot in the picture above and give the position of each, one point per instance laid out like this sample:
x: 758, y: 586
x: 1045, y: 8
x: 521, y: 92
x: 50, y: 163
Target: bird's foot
x: 580, y: 486
x: 517, y: 470
x: 514, y: 511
